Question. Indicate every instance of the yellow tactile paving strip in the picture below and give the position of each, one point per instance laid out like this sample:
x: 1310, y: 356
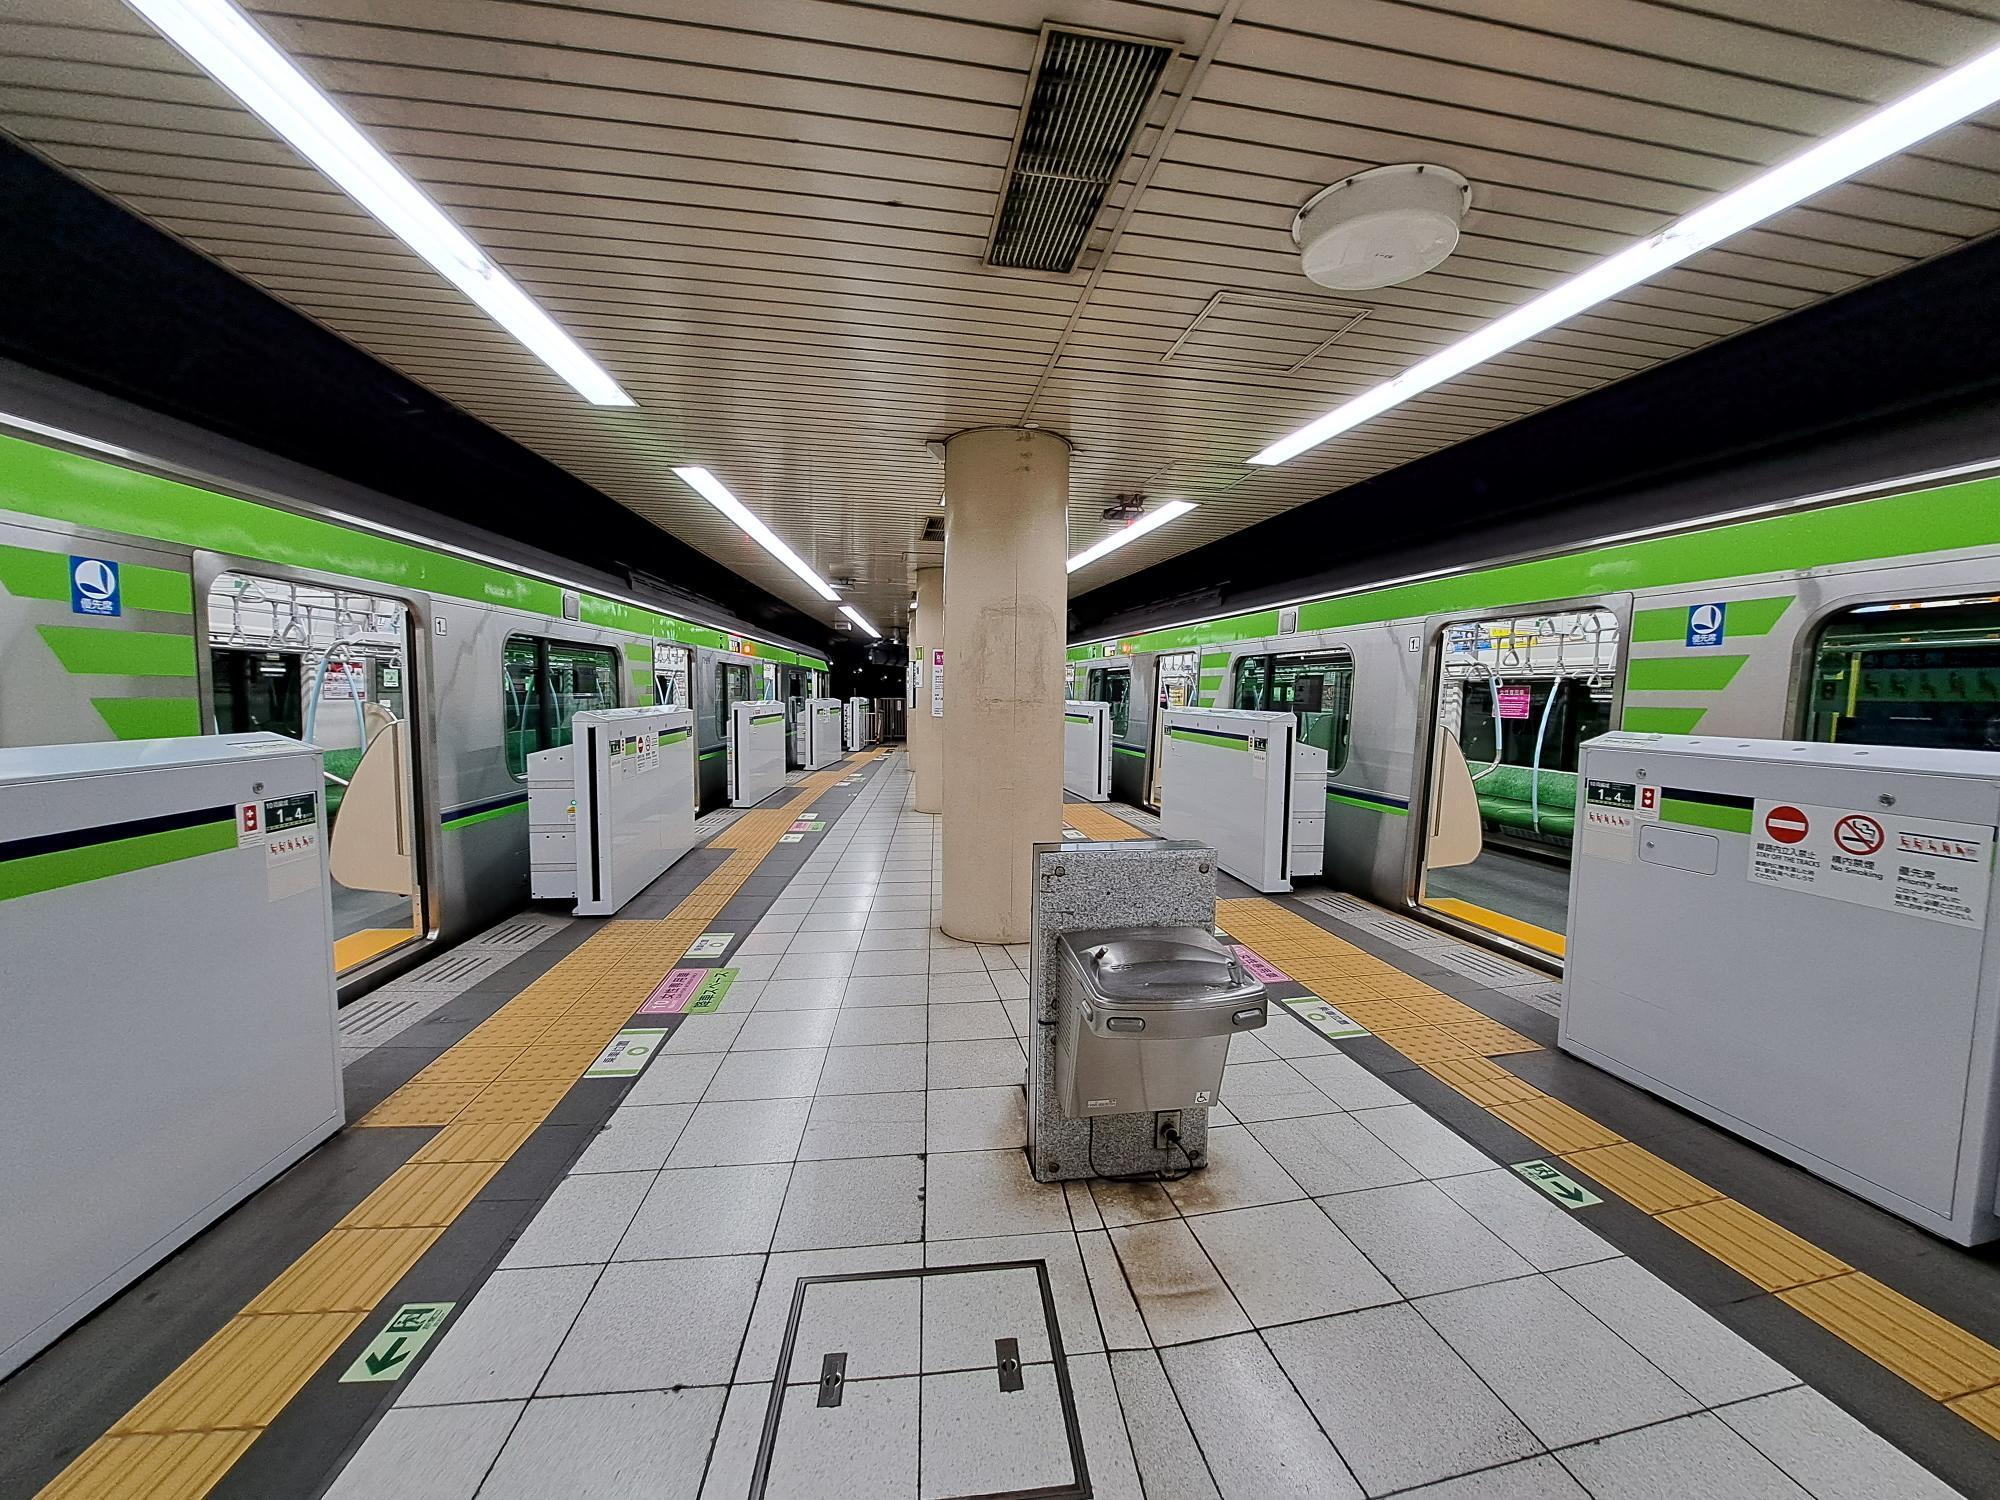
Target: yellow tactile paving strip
x: 1093, y: 822
x: 1940, y: 1359
x: 488, y: 1094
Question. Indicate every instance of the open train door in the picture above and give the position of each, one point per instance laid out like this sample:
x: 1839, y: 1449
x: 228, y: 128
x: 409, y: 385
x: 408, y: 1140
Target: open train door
x: 1453, y: 836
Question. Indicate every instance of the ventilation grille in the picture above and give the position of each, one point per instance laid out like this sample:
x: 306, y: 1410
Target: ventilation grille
x: 933, y: 529
x: 1087, y: 96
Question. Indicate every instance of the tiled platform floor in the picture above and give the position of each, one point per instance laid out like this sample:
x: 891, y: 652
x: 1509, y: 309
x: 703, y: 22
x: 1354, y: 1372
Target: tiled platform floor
x: 1350, y: 1300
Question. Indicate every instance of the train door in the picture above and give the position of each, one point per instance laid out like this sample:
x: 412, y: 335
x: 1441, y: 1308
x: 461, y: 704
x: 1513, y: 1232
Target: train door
x: 673, y: 676
x: 1516, y: 694
x: 1112, y: 686
x: 1179, y: 673
x: 332, y: 666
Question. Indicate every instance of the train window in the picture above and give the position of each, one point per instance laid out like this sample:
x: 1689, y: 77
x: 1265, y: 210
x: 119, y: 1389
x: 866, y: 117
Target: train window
x: 1113, y: 687
x: 1911, y: 672
x: 672, y: 672
x: 545, y: 684
x: 1316, y: 688
x: 732, y: 686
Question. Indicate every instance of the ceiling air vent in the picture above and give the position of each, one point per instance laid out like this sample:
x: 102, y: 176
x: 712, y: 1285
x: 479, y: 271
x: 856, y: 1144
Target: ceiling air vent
x: 933, y: 529
x: 1087, y: 96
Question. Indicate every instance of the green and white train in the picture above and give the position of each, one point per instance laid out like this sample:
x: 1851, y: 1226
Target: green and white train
x: 142, y: 597
x: 1870, y: 616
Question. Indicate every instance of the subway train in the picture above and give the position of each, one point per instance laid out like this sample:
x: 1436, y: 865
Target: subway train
x: 1869, y: 616
x: 140, y: 598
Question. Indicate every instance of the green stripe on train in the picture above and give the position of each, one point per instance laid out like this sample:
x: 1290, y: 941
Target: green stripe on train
x: 485, y: 816
x: 102, y: 651
x: 1642, y: 720
x: 1219, y: 741
x: 28, y: 573
x: 1742, y: 617
x: 1681, y: 674
x: 1705, y: 815
x: 1129, y: 750
x: 149, y: 718
x: 34, y: 873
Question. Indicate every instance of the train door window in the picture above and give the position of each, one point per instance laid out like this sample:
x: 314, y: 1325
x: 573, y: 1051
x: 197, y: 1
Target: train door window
x: 1251, y: 688
x: 1113, y: 686
x: 545, y: 684
x: 330, y: 666
x: 732, y: 686
x: 1517, y: 695
x: 673, y: 673
x: 1317, y: 689
x: 1909, y: 672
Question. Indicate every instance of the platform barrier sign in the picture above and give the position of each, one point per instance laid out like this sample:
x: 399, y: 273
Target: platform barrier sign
x: 791, y: 838
x: 626, y: 1054
x: 1328, y: 1021
x: 1257, y: 969
x: 389, y: 1353
x: 1568, y: 1193
x: 711, y: 945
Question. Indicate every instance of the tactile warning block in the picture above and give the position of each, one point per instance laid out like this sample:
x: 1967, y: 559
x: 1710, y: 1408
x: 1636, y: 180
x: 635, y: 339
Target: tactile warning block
x: 1641, y: 1178
x: 346, y: 1270
x: 1483, y: 1082
x: 1097, y: 824
x: 426, y: 1104
x: 243, y: 1376
x: 1554, y: 1126
x: 1938, y: 1358
x: 158, y: 1466
x: 421, y: 1195
x: 1752, y: 1246
x: 1981, y: 1409
x: 496, y: 1141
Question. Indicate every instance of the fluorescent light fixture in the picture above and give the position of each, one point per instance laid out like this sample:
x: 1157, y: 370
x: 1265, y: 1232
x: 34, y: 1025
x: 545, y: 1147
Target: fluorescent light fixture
x: 855, y: 615
x: 1152, y: 520
x: 716, y: 493
x: 226, y: 45
x: 1964, y: 91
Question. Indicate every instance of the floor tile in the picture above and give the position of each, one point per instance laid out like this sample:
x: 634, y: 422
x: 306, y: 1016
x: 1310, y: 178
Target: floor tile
x: 707, y: 1211
x: 799, y: 994
x: 956, y: 961
x: 1422, y: 1240
x: 1240, y: 1174
x: 1076, y: 1314
x: 1278, y: 1454
x: 758, y: 966
x: 895, y: 1068
x: 1163, y: 1445
x: 629, y: 1444
x: 834, y: 940
x: 1131, y: 1202
x: 1304, y: 1100
x: 873, y: 1323
x: 703, y: 1034
x: 1178, y: 1290
x: 884, y: 989
x: 865, y: 1446
x: 653, y: 1324
x: 878, y: 1025
x: 898, y: 921
x: 976, y: 1119
x: 1702, y: 1356
x: 502, y: 1341
x: 1531, y: 1479
x: 676, y: 1078
x: 895, y: 959
x: 1287, y: 1262
x: 1399, y: 1404
x: 897, y: 940
x: 1544, y: 1235
x: 1331, y: 1154
x: 977, y: 1441
x: 963, y: 1317
x: 978, y: 1020
x: 582, y: 1221
x: 1696, y: 1455
x: 965, y: 1065
x: 847, y: 1125
x: 760, y: 1075
x: 1564, y: 1373
x: 1107, y: 1445
x: 1010, y: 986
x: 636, y: 1137
x: 1433, y: 1148
x: 1829, y: 1452
x: 442, y: 1452
x: 739, y: 1132
x: 781, y: 1276
x: 989, y: 1193
x: 1117, y: 1314
x: 867, y: 1201
x: 769, y: 1030
x: 949, y: 989
x: 813, y: 966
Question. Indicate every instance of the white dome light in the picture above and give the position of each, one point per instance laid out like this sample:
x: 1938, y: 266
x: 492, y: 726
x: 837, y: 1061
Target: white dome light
x: 1381, y: 227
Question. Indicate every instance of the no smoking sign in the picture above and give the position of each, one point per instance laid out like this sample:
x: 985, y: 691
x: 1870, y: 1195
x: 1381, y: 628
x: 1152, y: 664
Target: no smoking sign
x: 1857, y: 833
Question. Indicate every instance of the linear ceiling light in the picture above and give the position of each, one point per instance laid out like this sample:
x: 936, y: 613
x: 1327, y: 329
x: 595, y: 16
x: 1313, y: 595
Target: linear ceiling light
x: 1152, y: 520
x: 222, y: 40
x: 716, y: 493
x: 1964, y: 91
x: 855, y: 615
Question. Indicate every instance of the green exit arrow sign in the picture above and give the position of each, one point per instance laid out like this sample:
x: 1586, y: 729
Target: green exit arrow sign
x: 1569, y: 1194
x: 390, y: 1352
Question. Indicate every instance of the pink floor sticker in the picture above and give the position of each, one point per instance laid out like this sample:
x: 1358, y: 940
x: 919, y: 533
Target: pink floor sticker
x: 1256, y: 968
x: 672, y: 994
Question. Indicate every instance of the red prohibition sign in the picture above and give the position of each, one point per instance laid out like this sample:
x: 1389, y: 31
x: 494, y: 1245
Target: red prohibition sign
x: 1857, y: 833
x: 1786, y: 824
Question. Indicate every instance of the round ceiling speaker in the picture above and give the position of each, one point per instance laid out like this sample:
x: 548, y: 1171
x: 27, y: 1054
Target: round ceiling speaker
x: 1381, y: 227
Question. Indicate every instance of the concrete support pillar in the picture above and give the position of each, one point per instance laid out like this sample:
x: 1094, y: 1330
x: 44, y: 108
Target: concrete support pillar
x: 926, y: 730
x: 1006, y: 601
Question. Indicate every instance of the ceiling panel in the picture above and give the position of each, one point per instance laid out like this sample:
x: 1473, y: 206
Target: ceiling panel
x: 772, y: 236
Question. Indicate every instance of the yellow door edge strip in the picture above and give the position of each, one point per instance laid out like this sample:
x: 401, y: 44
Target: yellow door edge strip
x: 1499, y: 923
x: 186, y: 1434
x: 1934, y: 1355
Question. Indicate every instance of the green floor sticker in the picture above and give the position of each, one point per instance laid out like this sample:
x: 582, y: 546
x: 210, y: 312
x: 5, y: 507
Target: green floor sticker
x: 627, y: 1053
x: 389, y: 1355
x: 1326, y: 1020
x: 709, y: 997
x: 1557, y: 1186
